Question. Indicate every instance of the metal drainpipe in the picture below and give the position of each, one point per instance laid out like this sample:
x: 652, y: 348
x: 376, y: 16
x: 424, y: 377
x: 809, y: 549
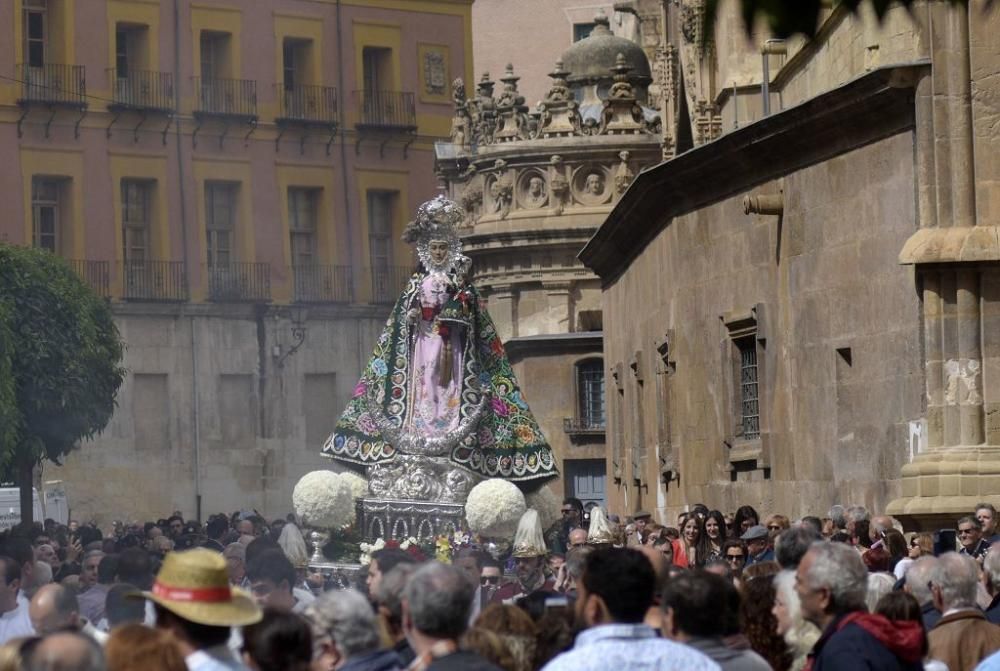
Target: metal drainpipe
x: 184, y: 241
x: 772, y: 46
x: 343, y: 146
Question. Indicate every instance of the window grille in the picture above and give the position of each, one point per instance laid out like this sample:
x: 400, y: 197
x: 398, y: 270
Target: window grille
x: 590, y: 385
x: 748, y: 390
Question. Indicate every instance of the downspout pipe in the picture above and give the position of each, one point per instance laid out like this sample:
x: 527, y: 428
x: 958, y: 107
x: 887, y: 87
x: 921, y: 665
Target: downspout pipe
x: 348, y: 227
x: 195, y: 417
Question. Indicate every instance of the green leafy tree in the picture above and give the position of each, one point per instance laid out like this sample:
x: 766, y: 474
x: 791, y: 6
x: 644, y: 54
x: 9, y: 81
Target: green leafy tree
x: 60, y: 363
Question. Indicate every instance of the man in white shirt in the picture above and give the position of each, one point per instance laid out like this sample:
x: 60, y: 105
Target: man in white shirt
x: 194, y: 602
x: 14, y: 619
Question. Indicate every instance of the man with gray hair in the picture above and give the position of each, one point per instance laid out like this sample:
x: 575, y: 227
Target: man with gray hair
x: 917, y: 583
x: 962, y: 637
x: 436, y: 603
x: 853, y: 515
x: 832, y: 582
x: 388, y: 599
x: 346, y: 635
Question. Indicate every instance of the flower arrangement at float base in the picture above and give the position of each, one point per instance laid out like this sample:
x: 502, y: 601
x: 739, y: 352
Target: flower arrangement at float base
x: 323, y: 499
x: 494, y: 507
x: 359, y: 489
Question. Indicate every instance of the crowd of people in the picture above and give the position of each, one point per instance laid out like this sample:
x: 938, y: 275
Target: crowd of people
x: 717, y: 591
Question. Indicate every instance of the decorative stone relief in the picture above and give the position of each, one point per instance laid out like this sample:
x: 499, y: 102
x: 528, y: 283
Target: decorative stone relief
x: 532, y: 191
x: 461, y: 124
x: 590, y: 185
x: 500, y: 190
x: 623, y: 174
x: 558, y: 184
x: 435, y: 77
x: 512, y: 112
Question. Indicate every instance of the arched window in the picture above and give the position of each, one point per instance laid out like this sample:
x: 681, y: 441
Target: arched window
x: 590, y: 393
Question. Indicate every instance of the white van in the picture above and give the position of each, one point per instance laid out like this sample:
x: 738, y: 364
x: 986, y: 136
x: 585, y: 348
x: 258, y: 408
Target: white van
x: 10, y: 506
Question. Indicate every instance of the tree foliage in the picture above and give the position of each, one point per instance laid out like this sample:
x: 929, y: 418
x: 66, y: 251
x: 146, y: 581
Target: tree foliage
x: 785, y: 18
x: 60, y: 360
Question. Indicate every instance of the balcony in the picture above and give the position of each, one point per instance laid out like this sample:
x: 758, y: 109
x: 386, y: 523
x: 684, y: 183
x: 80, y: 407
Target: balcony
x: 155, y: 281
x: 322, y: 284
x: 235, y: 98
x: 387, y: 111
x: 306, y: 104
x: 141, y: 90
x: 96, y: 274
x: 583, y: 427
x: 388, y: 283
x: 240, y: 282
x: 52, y: 84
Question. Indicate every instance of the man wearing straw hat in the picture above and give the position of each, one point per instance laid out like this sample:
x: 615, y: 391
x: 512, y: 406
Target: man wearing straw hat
x: 194, y: 601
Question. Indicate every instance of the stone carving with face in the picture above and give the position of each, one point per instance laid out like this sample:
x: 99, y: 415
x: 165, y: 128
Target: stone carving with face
x: 594, y: 185
x: 536, y: 192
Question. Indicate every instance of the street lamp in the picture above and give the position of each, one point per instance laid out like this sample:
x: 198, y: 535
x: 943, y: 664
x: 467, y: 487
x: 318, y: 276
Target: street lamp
x: 297, y: 315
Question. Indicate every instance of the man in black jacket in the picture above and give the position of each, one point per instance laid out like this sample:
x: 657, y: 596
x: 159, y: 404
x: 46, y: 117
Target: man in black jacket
x: 831, y: 582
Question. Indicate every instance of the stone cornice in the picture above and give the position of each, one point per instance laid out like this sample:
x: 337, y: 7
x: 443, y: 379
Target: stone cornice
x: 560, y: 343
x: 874, y: 106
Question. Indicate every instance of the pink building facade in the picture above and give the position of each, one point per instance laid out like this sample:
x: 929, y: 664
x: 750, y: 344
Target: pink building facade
x: 234, y: 177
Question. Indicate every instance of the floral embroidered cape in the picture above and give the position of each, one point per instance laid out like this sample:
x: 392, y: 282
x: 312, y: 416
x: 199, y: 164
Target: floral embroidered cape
x: 502, y: 439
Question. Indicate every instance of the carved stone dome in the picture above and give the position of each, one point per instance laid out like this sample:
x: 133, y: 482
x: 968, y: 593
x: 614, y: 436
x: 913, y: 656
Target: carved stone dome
x: 590, y: 60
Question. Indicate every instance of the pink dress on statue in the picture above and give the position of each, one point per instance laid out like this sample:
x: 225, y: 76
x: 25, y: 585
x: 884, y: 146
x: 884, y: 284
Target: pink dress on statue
x: 434, y: 408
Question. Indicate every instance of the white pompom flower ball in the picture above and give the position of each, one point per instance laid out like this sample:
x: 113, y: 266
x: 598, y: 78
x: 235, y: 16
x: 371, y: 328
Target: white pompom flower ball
x: 358, y: 485
x: 359, y: 489
x: 494, y: 507
x: 548, y: 505
x: 323, y: 499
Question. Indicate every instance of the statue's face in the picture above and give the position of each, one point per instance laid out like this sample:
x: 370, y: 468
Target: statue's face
x: 595, y: 184
x: 535, y: 186
x: 438, y: 250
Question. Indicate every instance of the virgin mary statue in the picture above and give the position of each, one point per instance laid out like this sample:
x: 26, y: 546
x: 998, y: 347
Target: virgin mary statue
x: 438, y: 408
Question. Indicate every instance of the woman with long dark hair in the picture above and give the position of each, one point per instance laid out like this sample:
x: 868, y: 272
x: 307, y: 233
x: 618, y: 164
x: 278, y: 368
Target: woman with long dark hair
x: 710, y: 544
x: 745, y: 518
x: 691, y: 534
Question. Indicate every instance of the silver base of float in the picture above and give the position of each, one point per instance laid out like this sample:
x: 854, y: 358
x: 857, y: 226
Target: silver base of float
x: 397, y: 519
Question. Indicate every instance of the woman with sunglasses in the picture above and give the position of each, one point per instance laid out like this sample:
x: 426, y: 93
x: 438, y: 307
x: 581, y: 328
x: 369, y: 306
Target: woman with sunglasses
x: 921, y: 545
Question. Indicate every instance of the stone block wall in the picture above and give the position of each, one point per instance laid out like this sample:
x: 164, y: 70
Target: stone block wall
x: 838, y: 331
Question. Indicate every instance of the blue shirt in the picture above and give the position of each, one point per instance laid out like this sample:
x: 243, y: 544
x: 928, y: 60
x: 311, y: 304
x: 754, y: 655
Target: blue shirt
x: 628, y: 647
x: 991, y: 663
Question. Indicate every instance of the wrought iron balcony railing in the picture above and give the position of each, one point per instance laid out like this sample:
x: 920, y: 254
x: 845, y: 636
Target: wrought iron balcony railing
x: 97, y: 275
x: 322, y: 284
x: 387, y: 110
x: 583, y: 426
x: 226, y: 97
x: 388, y: 282
x: 142, y: 89
x: 307, y: 103
x: 154, y: 280
x: 239, y: 282
x: 53, y: 84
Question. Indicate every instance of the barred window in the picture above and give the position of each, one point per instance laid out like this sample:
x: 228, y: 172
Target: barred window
x: 747, y: 391
x: 590, y: 389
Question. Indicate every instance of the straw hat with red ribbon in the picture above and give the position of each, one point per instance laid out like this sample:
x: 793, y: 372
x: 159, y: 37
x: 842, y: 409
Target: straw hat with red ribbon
x: 194, y: 585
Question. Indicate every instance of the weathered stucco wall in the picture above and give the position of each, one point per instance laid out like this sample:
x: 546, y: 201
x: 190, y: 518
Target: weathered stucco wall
x: 824, y: 277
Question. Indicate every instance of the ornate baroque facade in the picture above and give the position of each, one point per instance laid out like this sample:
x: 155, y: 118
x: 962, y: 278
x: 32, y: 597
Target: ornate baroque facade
x: 536, y: 183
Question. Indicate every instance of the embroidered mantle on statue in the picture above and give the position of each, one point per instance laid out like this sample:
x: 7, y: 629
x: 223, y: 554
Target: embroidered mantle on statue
x: 495, y: 434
